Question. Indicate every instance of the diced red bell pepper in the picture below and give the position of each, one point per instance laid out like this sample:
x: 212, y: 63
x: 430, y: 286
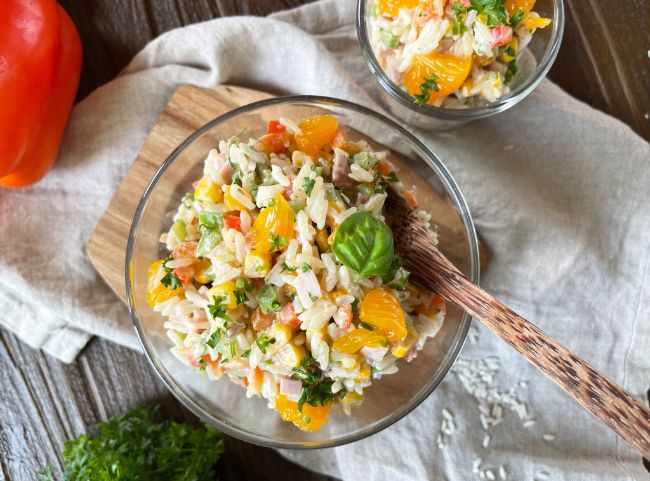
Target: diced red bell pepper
x: 275, y: 127
x: 232, y: 221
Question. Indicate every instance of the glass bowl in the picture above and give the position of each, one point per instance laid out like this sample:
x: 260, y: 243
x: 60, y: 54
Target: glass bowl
x: 222, y: 403
x: 534, y: 63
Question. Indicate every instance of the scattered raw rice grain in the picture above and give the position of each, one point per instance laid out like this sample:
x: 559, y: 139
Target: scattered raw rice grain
x: 548, y: 437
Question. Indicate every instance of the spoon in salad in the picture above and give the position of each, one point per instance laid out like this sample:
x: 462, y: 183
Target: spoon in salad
x: 431, y: 269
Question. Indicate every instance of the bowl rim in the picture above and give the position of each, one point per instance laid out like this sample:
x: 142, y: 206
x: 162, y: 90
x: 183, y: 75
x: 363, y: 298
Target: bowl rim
x: 472, y: 113
x: 460, y: 204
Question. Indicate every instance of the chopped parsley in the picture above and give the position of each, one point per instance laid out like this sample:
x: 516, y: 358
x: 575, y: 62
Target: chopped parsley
x: 494, y: 10
x: 233, y: 352
x: 246, y: 353
x: 367, y: 326
x: 355, y: 306
x: 218, y: 308
x: 169, y: 279
x: 305, y: 267
x: 243, y: 283
x: 308, y: 185
x: 428, y: 84
x: 263, y: 342
x: 287, y: 268
x: 392, y: 177
x: 316, y: 389
x: 389, y: 275
x: 511, y: 71
x: 240, y: 297
x: 313, y: 297
x: 516, y: 18
x: 276, y: 242
x: 214, y: 338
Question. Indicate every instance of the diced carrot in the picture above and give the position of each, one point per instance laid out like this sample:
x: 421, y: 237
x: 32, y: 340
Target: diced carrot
x: 384, y: 168
x: 185, y: 250
x: 232, y: 221
x: 184, y: 274
x: 261, y: 321
x: 276, y: 127
x: 411, y: 199
x: 435, y: 305
x: 288, y: 316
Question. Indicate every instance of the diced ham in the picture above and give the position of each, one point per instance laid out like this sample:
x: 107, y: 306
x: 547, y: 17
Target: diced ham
x: 261, y: 321
x: 289, y: 189
x: 500, y: 35
x: 345, y: 316
x: 288, y: 315
x: 290, y: 388
x: 374, y: 353
x: 243, y: 382
x: 341, y: 169
x: 223, y: 167
x: 306, y: 285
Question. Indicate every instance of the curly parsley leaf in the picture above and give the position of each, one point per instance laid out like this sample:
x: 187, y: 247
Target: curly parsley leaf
x: 316, y: 389
x: 428, y: 84
x: 263, y: 341
x: 308, y: 185
x: 169, y: 279
x: 137, y: 446
x: 494, y: 10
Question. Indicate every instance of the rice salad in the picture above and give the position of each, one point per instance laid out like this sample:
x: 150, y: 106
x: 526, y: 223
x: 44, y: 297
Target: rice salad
x: 452, y: 53
x: 282, y: 275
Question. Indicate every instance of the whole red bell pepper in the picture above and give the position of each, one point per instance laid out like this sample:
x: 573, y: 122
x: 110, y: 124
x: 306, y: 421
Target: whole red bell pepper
x: 40, y: 63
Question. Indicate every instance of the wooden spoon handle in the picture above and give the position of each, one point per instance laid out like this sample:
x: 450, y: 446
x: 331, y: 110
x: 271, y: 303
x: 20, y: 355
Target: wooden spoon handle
x: 606, y: 400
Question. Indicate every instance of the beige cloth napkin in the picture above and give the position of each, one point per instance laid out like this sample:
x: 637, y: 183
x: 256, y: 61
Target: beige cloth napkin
x: 558, y: 190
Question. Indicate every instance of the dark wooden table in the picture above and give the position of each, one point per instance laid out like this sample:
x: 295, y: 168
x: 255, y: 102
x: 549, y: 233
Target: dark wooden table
x: 603, y: 61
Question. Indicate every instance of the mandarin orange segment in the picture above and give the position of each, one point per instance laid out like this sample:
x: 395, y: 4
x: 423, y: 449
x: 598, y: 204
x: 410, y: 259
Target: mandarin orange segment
x: 450, y: 72
x: 310, y: 418
x: 158, y: 293
x: 273, y: 227
x: 391, y: 7
x: 513, y: 6
x: 382, y: 310
x: 354, y: 340
x: 316, y: 133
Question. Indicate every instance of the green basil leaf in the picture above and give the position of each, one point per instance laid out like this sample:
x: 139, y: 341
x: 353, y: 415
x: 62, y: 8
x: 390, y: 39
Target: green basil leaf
x: 364, y: 244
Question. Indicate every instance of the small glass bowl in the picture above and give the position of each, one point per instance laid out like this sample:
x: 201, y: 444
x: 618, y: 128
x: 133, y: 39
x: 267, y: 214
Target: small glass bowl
x: 222, y: 403
x: 535, y: 62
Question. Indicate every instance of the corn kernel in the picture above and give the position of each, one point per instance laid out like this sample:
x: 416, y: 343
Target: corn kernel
x: 230, y: 201
x: 227, y: 290
x: 208, y: 191
x: 291, y: 355
x: 257, y: 264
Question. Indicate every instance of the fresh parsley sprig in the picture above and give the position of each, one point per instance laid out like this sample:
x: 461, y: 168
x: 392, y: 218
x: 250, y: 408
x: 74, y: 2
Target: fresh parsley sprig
x: 137, y: 445
x: 428, y: 84
x: 169, y: 279
x: 316, y: 389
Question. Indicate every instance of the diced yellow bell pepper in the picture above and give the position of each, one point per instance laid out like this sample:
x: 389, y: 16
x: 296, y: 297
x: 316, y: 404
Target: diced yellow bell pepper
x: 227, y: 290
x: 208, y: 191
x: 536, y: 22
x: 257, y: 264
x: 400, y: 348
x: 291, y: 355
x: 482, y: 18
x: 156, y: 292
x: 230, y: 201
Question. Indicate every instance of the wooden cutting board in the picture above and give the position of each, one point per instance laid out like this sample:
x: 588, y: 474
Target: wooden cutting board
x: 189, y: 108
